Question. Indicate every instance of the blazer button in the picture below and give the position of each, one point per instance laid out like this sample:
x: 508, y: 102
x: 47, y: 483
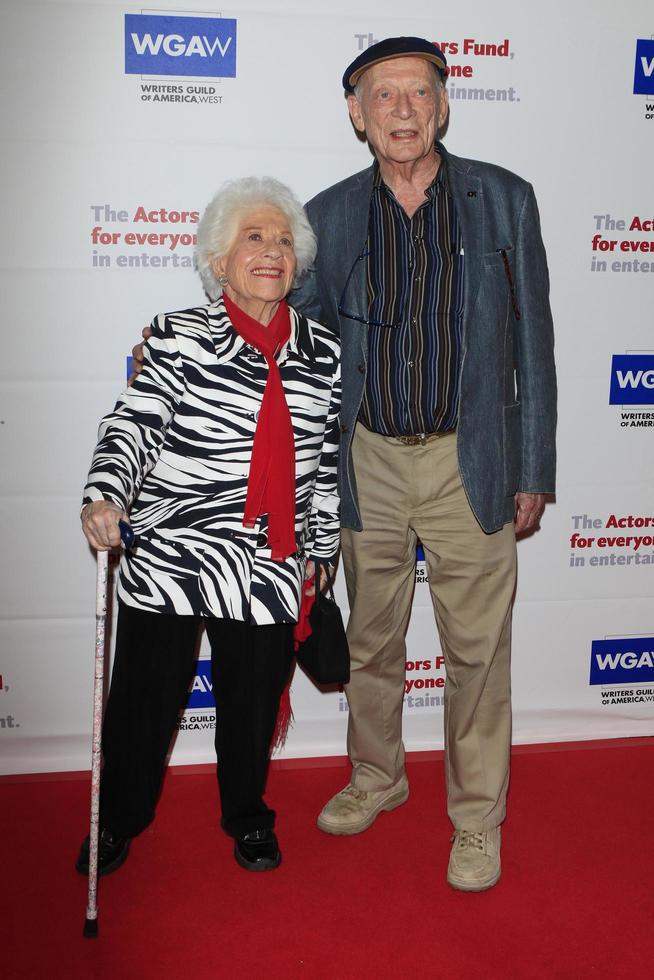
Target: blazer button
x: 343, y: 428
x: 360, y: 368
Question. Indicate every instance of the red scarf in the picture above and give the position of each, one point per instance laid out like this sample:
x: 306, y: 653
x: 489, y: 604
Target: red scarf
x: 271, y: 483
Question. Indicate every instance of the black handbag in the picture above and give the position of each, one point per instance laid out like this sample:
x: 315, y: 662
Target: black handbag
x: 325, y: 655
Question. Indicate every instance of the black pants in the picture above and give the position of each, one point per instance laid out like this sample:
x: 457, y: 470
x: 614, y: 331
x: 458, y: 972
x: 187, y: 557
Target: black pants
x: 153, y: 668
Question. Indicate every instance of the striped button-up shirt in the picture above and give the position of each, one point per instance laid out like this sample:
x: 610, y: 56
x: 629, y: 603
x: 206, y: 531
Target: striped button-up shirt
x: 415, y: 294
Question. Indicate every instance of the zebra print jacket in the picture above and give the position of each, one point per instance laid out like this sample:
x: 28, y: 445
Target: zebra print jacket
x: 175, y: 455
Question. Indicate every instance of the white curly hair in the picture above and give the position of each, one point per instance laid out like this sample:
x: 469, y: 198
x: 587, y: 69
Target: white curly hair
x: 219, y: 224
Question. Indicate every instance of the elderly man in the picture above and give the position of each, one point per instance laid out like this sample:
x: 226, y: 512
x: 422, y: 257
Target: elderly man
x: 435, y: 270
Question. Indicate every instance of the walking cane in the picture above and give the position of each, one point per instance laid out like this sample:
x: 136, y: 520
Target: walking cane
x: 102, y: 579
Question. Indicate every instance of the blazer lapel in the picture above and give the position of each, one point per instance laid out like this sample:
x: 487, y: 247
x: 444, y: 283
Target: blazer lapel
x: 357, y: 208
x: 468, y: 197
x: 301, y: 339
x: 227, y: 341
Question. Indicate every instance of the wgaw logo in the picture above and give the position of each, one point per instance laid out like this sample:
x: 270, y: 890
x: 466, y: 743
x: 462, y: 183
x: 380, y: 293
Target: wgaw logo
x: 194, y: 46
x: 632, y: 379
x: 628, y: 661
x: 201, y: 693
x: 644, y: 67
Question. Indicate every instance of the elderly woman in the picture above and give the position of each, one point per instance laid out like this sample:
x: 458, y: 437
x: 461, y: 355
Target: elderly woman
x: 222, y: 456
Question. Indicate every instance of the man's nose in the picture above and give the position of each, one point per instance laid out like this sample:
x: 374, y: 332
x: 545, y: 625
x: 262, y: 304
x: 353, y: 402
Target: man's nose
x: 403, y: 107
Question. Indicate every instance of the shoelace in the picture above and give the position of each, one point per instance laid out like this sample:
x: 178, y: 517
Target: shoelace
x: 471, y: 838
x: 357, y: 794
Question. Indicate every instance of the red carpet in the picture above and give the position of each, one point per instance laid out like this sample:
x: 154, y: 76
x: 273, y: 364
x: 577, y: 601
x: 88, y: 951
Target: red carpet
x: 575, y: 899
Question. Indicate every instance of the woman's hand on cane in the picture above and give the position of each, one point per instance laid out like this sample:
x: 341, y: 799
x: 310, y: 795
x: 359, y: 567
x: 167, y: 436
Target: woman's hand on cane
x: 100, y: 524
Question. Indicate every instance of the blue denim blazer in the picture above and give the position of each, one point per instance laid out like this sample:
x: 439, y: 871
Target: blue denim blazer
x: 507, y: 407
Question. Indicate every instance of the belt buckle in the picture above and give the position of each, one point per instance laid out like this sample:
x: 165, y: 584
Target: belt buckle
x: 420, y: 439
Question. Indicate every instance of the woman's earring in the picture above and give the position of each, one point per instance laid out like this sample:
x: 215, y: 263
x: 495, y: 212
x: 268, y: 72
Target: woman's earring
x: 222, y: 281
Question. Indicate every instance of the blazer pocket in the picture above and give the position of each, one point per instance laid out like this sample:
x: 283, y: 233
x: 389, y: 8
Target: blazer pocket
x: 495, y: 259
x: 499, y: 265
x: 512, y: 447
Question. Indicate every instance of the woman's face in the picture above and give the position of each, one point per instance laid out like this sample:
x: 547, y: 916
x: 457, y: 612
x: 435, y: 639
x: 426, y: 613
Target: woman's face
x: 260, y: 265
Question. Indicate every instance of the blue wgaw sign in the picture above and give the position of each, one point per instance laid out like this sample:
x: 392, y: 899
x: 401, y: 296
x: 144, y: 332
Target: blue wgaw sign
x: 201, y: 692
x: 632, y: 379
x: 644, y: 67
x: 194, y: 46
x: 624, y: 661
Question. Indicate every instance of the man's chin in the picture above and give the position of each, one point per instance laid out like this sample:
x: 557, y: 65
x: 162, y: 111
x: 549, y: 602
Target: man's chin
x: 407, y: 151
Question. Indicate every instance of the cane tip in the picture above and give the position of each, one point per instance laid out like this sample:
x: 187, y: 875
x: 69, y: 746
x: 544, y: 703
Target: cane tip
x: 90, y: 929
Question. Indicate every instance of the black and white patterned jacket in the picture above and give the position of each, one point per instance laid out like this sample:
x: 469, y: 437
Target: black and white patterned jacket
x: 175, y: 454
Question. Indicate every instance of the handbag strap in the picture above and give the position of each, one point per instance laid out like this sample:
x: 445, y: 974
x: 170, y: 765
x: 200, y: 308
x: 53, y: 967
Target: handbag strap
x: 330, y: 579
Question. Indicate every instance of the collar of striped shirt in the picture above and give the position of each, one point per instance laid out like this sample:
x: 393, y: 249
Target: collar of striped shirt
x: 440, y: 180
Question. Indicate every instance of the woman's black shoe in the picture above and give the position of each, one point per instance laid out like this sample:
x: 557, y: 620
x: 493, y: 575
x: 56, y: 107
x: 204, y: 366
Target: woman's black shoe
x: 112, y: 852
x: 257, y: 851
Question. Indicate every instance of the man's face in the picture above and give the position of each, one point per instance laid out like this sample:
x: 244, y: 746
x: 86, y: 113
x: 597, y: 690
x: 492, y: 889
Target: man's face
x: 401, y: 109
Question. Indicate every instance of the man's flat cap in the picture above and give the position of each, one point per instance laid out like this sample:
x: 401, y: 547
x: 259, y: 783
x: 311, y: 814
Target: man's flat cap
x: 394, y: 47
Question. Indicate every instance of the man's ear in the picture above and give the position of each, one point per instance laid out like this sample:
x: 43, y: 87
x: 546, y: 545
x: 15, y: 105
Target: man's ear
x: 354, y: 107
x: 443, y: 106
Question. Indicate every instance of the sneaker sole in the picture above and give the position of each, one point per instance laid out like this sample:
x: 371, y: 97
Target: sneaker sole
x: 463, y: 885
x: 340, y: 830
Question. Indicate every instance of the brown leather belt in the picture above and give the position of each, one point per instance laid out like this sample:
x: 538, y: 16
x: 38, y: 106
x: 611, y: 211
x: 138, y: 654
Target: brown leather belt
x: 422, y: 438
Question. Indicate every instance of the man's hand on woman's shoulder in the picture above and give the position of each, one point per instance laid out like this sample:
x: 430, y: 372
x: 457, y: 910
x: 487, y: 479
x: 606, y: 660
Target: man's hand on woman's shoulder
x: 137, y: 355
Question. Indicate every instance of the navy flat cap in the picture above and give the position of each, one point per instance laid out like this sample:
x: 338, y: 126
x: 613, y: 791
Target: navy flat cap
x: 394, y: 47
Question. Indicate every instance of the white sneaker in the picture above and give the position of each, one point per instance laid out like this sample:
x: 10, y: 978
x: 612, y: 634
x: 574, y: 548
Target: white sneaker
x: 353, y: 810
x: 475, y: 859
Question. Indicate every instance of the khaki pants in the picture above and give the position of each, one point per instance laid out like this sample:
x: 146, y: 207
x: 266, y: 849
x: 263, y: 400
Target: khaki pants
x: 408, y: 493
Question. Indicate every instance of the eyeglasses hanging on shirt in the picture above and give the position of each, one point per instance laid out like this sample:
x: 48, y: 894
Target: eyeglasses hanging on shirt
x: 341, y: 303
x: 371, y: 322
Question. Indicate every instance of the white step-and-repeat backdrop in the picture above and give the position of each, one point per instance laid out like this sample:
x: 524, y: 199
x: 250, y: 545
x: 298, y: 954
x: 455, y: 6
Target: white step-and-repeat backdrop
x: 120, y: 122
